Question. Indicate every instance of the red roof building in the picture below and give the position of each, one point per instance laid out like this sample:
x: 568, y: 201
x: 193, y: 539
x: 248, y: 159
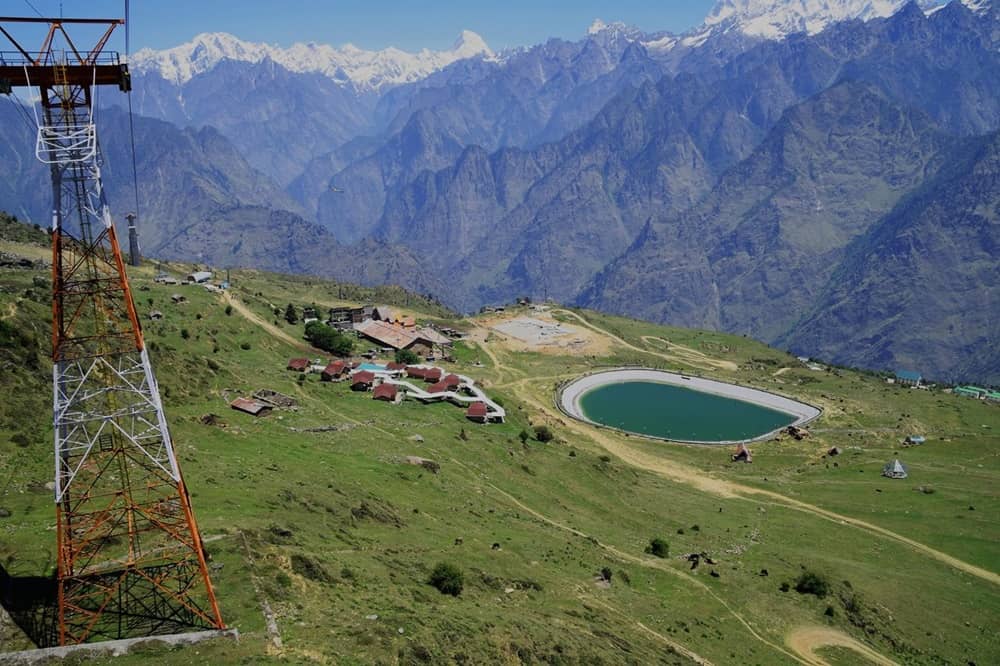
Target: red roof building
x: 432, y: 375
x: 298, y: 364
x: 476, y: 412
x: 438, y: 387
x: 393, y: 366
x: 452, y: 381
x: 334, y: 370
x: 362, y: 381
x: 385, y: 392
x: 414, y: 371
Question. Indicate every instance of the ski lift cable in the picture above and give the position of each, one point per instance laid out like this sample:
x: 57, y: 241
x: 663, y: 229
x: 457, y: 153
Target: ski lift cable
x: 131, y: 122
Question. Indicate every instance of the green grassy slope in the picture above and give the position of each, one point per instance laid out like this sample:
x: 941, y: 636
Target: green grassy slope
x: 330, y: 528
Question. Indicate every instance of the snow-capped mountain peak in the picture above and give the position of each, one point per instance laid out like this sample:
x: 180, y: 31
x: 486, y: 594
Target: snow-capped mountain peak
x: 371, y: 70
x: 776, y: 19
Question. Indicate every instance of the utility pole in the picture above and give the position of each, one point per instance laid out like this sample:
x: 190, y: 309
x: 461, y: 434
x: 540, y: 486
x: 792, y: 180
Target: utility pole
x: 130, y: 558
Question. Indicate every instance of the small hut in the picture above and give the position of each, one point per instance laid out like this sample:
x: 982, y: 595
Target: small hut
x: 415, y: 372
x: 452, y: 381
x: 438, y: 387
x: 914, y: 440
x: 476, y: 412
x: 334, y: 371
x: 362, y: 381
x: 742, y: 454
x: 835, y: 451
x: 156, y: 315
x: 895, y: 470
x: 385, y: 391
x: 298, y: 364
x: 432, y: 375
x: 252, y: 407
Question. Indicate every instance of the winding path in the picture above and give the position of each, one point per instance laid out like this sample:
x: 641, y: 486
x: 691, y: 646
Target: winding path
x: 714, y: 363
x: 273, y: 330
x: 804, y: 641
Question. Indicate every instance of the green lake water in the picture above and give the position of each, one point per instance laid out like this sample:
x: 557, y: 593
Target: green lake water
x: 675, y: 412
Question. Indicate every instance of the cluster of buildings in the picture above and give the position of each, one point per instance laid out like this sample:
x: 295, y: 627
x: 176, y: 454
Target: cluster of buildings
x: 393, y: 382
x: 383, y: 326
x: 977, y: 392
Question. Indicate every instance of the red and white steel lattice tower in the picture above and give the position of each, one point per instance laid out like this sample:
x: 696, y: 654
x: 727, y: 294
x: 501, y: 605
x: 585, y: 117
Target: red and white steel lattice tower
x: 130, y: 558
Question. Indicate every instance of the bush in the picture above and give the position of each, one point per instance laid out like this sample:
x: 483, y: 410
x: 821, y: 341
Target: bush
x: 185, y: 333
x: 447, y: 578
x: 543, y: 433
x: 659, y: 548
x: 323, y: 337
x: 606, y: 573
x: 813, y: 583
x: 245, y: 346
x: 229, y: 309
x: 212, y: 365
x: 524, y: 436
x: 407, y: 356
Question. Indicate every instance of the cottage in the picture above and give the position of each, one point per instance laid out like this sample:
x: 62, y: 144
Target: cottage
x: 383, y: 313
x: 199, y: 277
x: 452, y: 381
x: 438, y: 387
x: 156, y: 315
x: 252, y: 407
x: 178, y: 298
x: 390, y: 336
x: 385, y: 391
x: 298, y: 364
x: 476, y: 412
x: 908, y: 378
x: 334, y: 371
x: 432, y: 375
x: 394, y: 366
x: 362, y: 380
x: 914, y: 440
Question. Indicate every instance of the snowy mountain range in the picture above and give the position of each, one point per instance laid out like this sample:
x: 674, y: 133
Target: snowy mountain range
x: 386, y: 68
x: 368, y: 70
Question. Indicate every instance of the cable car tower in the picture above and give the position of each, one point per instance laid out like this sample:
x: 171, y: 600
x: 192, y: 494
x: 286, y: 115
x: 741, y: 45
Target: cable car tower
x: 130, y: 558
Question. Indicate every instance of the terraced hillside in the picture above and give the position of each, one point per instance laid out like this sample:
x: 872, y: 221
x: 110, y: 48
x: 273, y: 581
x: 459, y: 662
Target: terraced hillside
x: 314, y: 516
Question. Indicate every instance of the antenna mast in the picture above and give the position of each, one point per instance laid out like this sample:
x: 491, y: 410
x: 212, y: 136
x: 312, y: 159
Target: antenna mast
x: 130, y: 558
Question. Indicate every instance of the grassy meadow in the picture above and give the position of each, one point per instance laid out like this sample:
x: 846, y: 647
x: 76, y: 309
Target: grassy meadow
x: 315, y: 514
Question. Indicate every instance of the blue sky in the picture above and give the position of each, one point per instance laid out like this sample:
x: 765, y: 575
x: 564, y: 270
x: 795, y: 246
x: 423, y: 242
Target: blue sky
x: 373, y: 24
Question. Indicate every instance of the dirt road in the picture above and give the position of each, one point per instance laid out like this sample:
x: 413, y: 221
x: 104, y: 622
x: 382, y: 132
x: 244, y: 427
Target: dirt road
x: 273, y: 330
x: 804, y: 641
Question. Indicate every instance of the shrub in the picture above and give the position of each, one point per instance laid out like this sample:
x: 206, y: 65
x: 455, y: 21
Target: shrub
x: 291, y: 316
x: 447, y: 578
x: 212, y: 365
x: 524, y: 436
x: 605, y: 459
x: 185, y: 333
x: 21, y: 440
x: 659, y: 548
x: 606, y: 573
x: 785, y: 587
x: 245, y: 346
x: 407, y: 356
x: 813, y: 583
x: 229, y: 309
x: 543, y: 433
x: 323, y: 337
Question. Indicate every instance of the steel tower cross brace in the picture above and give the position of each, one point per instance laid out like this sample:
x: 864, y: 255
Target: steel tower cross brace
x: 130, y: 558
